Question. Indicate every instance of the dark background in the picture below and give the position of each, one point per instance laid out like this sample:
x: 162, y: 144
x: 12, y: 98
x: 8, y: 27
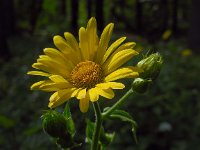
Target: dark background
x: 168, y: 115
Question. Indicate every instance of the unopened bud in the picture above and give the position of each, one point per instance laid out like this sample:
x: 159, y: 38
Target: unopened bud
x: 140, y: 85
x: 151, y: 66
x: 54, y: 124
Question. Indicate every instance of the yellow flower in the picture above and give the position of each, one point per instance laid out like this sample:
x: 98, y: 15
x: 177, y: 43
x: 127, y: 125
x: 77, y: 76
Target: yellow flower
x: 166, y: 35
x: 186, y: 52
x: 85, y: 70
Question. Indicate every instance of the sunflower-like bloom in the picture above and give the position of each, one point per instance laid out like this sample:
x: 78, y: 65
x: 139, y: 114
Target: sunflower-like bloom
x: 85, y: 70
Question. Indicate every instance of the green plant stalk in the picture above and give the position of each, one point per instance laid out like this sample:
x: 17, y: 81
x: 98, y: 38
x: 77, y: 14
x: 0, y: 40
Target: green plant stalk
x: 98, y: 123
x: 117, y: 104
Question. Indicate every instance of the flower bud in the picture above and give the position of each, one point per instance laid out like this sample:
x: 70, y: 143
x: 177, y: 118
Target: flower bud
x: 140, y: 85
x: 54, y: 124
x: 151, y: 66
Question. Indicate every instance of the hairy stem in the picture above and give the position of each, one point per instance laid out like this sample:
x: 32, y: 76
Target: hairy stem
x: 98, y: 123
x: 117, y: 104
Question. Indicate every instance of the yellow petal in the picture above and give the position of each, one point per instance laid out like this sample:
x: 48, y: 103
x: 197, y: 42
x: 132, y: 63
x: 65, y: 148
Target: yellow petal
x: 117, y: 60
x: 57, y: 55
x: 127, y: 72
x: 128, y: 45
x: 112, y: 85
x: 38, y: 73
x: 74, y: 94
x: 36, y: 85
x: 104, y: 41
x: 44, y: 86
x: 83, y: 44
x: 81, y: 94
x: 60, y: 97
x: 56, y: 86
x: 92, y: 38
x: 84, y: 105
x: 54, y: 65
x: 93, y: 94
x: 43, y: 67
x: 57, y: 78
x: 71, y: 40
x: 107, y: 93
x: 66, y: 49
x: 112, y: 48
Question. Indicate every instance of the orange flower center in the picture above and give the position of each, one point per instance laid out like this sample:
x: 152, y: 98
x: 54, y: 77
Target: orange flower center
x: 86, y: 74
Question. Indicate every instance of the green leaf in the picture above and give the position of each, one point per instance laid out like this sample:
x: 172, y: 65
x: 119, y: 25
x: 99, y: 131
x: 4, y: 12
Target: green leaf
x: 105, y: 138
x: 70, y: 123
x: 126, y: 117
x: 6, y: 122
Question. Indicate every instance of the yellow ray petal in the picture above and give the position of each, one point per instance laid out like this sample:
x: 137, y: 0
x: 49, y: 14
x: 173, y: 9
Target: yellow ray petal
x: 57, y: 78
x: 92, y: 38
x: 74, y: 94
x: 83, y: 43
x: 107, y: 93
x: 81, y: 94
x: 71, y: 40
x: 38, y: 73
x: 66, y: 49
x: 57, y: 55
x: 43, y: 67
x: 112, y: 85
x: 104, y: 41
x: 117, y: 60
x: 60, y: 82
x: 128, y: 45
x: 60, y: 97
x: 54, y: 65
x: 93, y: 94
x: 36, y: 85
x: 126, y: 72
x: 84, y: 105
x: 56, y: 86
x: 112, y: 48
x: 44, y: 86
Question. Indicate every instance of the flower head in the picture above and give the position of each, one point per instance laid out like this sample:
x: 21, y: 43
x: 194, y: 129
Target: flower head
x: 85, y: 70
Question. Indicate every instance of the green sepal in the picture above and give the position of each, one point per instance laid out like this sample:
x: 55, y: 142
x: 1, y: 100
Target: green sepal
x: 70, y: 123
x: 126, y: 117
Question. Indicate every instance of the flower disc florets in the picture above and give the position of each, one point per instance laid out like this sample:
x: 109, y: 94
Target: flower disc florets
x: 86, y: 74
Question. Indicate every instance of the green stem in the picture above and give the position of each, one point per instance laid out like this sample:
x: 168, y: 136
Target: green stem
x: 98, y: 123
x: 117, y: 104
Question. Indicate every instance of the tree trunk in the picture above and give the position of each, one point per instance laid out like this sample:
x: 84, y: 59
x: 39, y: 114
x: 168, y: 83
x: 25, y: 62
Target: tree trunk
x: 194, y: 30
x: 74, y: 14
x: 99, y: 13
x: 7, y: 27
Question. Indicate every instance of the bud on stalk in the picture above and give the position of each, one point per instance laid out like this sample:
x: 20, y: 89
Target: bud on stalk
x: 54, y: 124
x: 151, y: 66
